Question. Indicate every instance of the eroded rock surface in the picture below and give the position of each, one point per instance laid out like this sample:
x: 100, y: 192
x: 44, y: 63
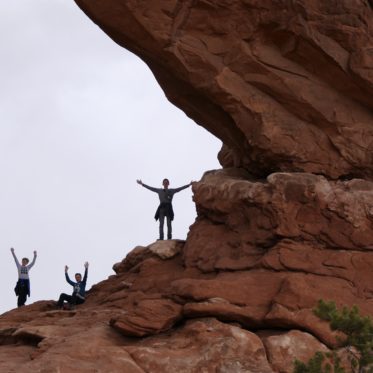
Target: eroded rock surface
x: 189, y: 319
x: 96, y: 336
x: 286, y: 85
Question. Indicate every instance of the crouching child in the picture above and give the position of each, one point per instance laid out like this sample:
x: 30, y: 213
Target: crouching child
x: 78, y: 295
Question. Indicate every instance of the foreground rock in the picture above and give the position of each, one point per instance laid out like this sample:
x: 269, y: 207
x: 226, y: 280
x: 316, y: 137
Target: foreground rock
x: 39, y: 338
x: 284, y: 347
x: 189, y: 320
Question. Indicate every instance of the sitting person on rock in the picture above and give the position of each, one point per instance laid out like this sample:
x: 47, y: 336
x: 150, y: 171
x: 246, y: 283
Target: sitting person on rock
x: 22, y: 288
x: 78, y: 295
x: 164, y: 209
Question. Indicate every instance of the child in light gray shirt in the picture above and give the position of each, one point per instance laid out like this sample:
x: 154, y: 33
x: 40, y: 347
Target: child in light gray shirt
x: 22, y: 288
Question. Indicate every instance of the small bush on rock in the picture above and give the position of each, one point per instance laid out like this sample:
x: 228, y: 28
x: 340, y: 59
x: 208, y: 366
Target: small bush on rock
x: 358, y: 331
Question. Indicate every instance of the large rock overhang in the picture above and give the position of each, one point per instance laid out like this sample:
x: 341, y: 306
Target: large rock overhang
x: 286, y: 86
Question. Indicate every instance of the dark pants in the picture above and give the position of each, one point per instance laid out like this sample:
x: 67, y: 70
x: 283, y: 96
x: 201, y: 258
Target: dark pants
x: 22, y: 290
x: 162, y: 215
x: 22, y: 296
x: 71, y: 299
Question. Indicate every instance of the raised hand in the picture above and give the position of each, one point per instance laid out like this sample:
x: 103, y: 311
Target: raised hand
x: 12, y: 250
x: 35, y: 252
x: 66, y: 268
x: 86, y: 264
x: 139, y: 182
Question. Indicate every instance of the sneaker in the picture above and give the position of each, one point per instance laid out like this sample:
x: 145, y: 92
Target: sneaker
x: 66, y: 307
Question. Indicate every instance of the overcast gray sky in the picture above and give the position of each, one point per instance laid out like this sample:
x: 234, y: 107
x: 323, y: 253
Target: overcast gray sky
x: 81, y: 120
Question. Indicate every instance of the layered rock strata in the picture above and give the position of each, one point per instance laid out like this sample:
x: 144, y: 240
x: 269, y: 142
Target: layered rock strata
x: 287, y: 87
x: 183, y: 326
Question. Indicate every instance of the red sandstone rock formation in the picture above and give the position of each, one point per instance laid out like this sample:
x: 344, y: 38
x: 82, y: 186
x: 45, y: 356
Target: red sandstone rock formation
x: 287, y: 86
x: 190, y: 319
x: 148, y: 297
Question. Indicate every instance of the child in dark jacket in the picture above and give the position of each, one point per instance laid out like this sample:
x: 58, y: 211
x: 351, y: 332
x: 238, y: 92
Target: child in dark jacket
x: 22, y: 288
x: 78, y: 295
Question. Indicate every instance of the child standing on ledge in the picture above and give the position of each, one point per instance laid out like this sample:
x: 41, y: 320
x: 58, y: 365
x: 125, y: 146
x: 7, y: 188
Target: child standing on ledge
x: 22, y: 288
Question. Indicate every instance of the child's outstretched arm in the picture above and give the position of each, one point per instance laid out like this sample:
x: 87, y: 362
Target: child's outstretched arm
x: 33, y: 260
x: 15, y: 258
x: 86, y: 265
x: 175, y: 190
x: 67, y: 277
x: 156, y: 190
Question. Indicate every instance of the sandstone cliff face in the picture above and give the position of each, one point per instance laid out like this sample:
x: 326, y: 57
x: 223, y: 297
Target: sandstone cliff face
x: 287, y: 86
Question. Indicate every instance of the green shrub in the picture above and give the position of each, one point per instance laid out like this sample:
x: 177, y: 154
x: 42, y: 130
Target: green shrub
x: 358, y: 331
x: 317, y: 364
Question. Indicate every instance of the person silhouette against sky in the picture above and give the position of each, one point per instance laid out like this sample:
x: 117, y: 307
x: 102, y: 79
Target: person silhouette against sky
x: 22, y: 288
x: 165, y: 209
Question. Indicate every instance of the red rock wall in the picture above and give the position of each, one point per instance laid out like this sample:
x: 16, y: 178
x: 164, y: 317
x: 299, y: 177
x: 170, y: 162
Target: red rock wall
x: 192, y: 322
x: 287, y: 86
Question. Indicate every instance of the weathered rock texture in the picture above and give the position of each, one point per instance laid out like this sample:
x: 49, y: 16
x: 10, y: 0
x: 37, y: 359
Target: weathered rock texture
x: 287, y: 86
x: 184, y: 326
x: 190, y: 319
